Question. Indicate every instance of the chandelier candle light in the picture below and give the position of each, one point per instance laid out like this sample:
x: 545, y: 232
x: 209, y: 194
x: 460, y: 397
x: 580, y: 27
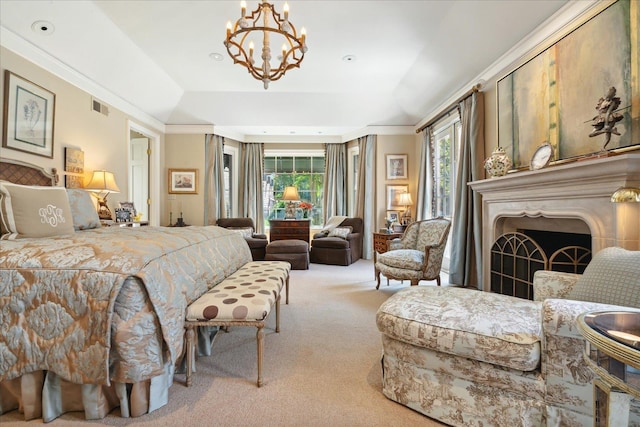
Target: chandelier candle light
x: 258, y: 24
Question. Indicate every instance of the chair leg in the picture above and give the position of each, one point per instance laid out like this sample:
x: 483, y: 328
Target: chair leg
x: 438, y: 280
x: 414, y: 282
x: 377, y: 278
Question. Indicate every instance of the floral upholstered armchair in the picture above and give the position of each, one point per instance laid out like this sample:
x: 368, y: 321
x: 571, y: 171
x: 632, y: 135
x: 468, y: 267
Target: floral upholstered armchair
x: 474, y: 358
x: 417, y: 255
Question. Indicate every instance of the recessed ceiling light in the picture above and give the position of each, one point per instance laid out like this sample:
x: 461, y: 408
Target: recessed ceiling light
x: 43, y: 27
x: 216, y: 56
x: 349, y: 58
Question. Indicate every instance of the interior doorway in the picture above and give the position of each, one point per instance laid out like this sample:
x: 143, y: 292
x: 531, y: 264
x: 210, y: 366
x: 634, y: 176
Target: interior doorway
x: 144, y: 171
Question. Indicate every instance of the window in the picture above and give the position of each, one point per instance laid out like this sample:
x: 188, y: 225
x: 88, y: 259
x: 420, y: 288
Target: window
x: 446, y: 137
x: 230, y: 174
x: 303, y: 171
x: 447, y: 134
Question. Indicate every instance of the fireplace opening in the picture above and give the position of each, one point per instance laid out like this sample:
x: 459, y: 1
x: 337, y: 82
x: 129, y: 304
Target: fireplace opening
x: 516, y: 256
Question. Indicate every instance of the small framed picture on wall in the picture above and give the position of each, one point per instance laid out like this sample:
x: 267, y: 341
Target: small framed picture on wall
x: 183, y: 181
x: 397, y: 166
x: 393, y: 196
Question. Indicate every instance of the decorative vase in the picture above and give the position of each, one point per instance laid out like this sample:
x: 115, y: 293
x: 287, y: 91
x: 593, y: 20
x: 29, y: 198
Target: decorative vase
x: 498, y: 163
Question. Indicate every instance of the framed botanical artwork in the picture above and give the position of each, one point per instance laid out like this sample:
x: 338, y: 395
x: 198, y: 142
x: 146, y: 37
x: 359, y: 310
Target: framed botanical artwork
x: 393, y: 196
x: 183, y: 181
x: 392, y: 216
x: 29, y: 112
x: 397, y: 166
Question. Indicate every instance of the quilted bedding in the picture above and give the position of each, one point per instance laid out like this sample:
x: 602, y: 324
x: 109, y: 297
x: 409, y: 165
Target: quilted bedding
x: 106, y: 304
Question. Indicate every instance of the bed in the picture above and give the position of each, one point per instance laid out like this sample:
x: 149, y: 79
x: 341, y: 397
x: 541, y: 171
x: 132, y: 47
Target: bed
x: 92, y: 318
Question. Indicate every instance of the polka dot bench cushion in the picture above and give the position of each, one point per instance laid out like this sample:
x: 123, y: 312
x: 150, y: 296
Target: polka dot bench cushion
x: 247, y: 294
x: 244, y: 298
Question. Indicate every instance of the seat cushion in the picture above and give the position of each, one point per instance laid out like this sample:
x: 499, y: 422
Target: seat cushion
x: 330, y: 242
x: 483, y: 326
x: 287, y: 247
x: 406, y: 259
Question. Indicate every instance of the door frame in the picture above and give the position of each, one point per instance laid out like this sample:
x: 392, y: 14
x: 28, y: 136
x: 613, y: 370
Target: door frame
x: 154, y: 167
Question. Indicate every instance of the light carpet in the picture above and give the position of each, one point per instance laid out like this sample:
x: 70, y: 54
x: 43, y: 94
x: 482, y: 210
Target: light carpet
x: 323, y: 368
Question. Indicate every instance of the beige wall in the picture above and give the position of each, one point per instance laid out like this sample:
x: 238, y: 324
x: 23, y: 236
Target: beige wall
x: 185, y: 151
x: 395, y: 144
x: 102, y: 138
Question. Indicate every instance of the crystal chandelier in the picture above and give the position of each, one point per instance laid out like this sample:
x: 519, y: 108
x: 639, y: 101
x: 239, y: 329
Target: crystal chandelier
x: 265, y: 22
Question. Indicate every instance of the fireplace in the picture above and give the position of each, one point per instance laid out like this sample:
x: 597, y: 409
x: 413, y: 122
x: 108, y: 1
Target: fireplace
x: 568, y: 198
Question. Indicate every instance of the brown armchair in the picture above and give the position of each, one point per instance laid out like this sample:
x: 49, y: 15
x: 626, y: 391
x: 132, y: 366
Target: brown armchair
x: 257, y: 242
x: 338, y: 250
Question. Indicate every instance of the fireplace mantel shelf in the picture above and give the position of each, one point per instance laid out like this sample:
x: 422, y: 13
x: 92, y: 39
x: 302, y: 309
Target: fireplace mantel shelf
x: 595, y: 177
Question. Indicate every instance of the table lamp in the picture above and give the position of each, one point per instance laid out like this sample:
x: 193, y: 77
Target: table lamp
x: 101, y: 185
x: 291, y: 195
x: 405, y: 200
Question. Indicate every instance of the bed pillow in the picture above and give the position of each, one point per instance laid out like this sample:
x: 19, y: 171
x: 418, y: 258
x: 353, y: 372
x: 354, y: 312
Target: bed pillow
x: 341, y: 232
x: 84, y: 213
x: 32, y: 211
x: 610, y: 278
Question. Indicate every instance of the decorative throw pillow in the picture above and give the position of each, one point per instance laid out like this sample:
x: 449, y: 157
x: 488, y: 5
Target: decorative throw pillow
x: 84, y: 213
x: 246, y: 232
x: 341, y: 232
x: 612, y: 277
x: 32, y: 211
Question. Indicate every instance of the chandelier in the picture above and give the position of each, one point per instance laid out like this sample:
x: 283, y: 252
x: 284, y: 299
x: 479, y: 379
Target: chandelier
x: 265, y: 22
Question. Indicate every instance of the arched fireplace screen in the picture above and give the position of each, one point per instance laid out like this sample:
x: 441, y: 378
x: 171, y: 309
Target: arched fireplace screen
x: 515, y: 257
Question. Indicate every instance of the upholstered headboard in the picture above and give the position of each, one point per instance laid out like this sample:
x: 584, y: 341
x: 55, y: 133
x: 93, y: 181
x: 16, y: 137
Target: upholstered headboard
x: 24, y: 173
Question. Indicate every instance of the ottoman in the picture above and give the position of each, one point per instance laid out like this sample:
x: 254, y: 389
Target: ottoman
x: 294, y: 251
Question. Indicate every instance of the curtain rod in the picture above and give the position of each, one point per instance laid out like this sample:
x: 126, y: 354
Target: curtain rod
x: 451, y: 106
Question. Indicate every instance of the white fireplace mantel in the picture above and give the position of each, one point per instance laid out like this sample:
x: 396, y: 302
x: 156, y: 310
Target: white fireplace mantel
x: 572, y: 197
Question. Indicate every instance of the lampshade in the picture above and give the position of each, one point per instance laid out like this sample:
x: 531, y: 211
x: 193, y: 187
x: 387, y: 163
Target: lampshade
x: 291, y: 194
x: 626, y: 194
x: 405, y: 199
x: 102, y: 181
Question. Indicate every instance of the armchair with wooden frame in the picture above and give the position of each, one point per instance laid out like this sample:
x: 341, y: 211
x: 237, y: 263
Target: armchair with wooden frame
x: 417, y: 255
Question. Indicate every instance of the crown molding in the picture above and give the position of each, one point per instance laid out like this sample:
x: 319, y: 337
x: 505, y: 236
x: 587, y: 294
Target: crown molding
x: 560, y: 22
x: 189, y: 129
x: 51, y: 64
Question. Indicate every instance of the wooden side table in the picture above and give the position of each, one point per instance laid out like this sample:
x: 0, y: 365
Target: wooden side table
x: 289, y: 229
x: 613, y: 353
x: 380, y: 244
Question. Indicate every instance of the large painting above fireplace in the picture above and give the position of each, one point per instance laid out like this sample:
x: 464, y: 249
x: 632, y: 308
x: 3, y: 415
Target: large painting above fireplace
x: 552, y: 97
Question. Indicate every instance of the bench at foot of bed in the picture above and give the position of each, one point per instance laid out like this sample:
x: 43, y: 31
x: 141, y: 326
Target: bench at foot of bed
x: 243, y: 299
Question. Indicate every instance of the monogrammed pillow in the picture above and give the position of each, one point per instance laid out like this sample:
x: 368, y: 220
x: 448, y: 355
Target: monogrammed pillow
x: 31, y: 211
x: 341, y: 232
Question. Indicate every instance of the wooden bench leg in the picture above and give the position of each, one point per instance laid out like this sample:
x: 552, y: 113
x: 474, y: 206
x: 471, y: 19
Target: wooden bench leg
x: 260, y: 341
x: 287, y: 286
x: 190, y: 352
x: 278, y: 314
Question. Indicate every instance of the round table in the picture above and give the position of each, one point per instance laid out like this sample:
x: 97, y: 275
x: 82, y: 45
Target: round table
x: 613, y: 353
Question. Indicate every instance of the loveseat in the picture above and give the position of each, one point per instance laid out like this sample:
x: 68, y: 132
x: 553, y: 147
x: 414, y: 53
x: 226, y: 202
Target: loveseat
x: 472, y: 358
x: 257, y: 242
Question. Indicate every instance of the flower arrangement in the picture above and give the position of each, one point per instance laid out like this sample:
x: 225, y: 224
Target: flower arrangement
x: 306, y: 207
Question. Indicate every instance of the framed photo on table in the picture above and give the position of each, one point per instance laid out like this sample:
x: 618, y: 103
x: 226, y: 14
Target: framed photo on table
x: 29, y: 112
x: 183, y: 181
x: 397, y: 166
x: 392, y: 216
x: 393, y: 196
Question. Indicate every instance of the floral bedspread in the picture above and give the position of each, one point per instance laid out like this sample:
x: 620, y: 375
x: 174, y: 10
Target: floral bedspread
x: 106, y: 304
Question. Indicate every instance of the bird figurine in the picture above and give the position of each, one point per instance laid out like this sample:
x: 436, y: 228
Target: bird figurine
x: 605, y: 121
